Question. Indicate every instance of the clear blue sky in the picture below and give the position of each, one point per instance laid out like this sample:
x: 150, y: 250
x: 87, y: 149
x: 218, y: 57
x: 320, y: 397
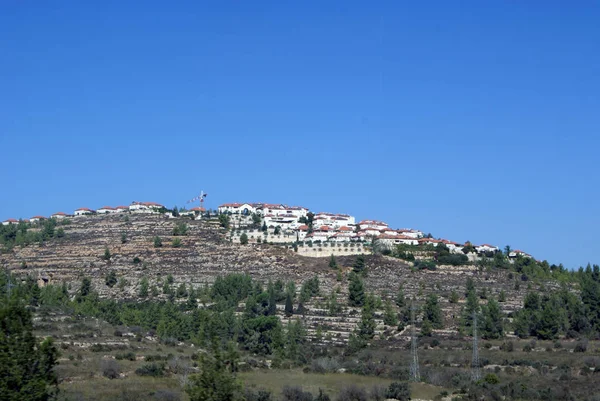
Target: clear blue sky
x: 479, y: 122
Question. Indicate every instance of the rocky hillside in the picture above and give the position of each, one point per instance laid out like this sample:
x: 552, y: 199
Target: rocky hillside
x: 205, y: 253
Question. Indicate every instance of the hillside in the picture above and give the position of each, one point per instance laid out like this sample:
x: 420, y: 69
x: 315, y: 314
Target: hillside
x: 205, y: 253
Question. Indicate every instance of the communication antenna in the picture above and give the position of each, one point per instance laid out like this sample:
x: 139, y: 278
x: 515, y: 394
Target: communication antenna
x: 415, y: 376
x: 199, y: 198
x: 475, y: 370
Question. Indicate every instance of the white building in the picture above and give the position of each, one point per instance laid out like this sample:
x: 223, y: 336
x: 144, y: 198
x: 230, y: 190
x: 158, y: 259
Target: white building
x: 486, y: 248
x: 35, y: 219
x: 120, y: 209
x: 333, y: 220
x: 10, y: 221
x: 391, y: 240
x: 106, y: 209
x: 410, y: 233
x: 145, y: 207
x: 374, y: 224
x: 516, y: 253
x: 237, y: 208
x: 83, y: 211
x: 59, y: 215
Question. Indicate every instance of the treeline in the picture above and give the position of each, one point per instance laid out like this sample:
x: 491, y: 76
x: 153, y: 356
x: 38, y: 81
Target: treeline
x: 21, y: 234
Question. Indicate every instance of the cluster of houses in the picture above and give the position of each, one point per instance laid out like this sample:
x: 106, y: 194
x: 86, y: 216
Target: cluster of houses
x: 135, y: 207
x: 294, y: 222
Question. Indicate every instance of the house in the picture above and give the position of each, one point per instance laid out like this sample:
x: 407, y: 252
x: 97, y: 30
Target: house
x: 333, y: 220
x: 517, y: 253
x: 10, y: 221
x: 145, y: 207
x: 237, y: 208
x: 120, y: 209
x: 409, y: 232
x: 453, y: 247
x: 374, y: 224
x: 485, y: 248
x: 392, y: 240
x: 317, y: 236
x: 342, y: 236
x: 429, y: 241
x: 59, y: 215
x: 35, y: 219
x: 106, y: 209
x: 83, y: 211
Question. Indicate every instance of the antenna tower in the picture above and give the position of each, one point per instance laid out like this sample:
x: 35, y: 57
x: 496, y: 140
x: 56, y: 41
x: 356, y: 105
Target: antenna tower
x: 415, y: 376
x: 475, y: 370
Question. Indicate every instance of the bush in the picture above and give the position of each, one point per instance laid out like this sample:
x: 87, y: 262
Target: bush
x: 151, y: 369
x: 136, y: 260
x: 352, y: 393
x: 110, y: 369
x: 399, y: 391
x: 491, y: 378
x: 166, y: 395
x: 425, y: 264
x: 295, y: 394
x: 260, y: 395
x: 130, y: 356
x: 581, y: 346
x: 244, y: 239
x: 176, y: 243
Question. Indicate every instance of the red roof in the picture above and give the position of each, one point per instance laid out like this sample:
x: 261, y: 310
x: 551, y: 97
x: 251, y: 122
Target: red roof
x: 38, y: 217
x: 198, y: 209
x: 59, y: 214
x: 303, y: 228
x: 12, y: 221
x: 344, y: 228
x: 107, y: 207
x: 324, y: 228
x: 84, y: 209
x: 121, y: 207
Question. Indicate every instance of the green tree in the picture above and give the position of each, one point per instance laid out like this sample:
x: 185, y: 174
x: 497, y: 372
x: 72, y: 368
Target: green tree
x: 493, y: 322
x: 453, y: 297
x: 214, y: 382
x: 26, y: 367
x: 332, y: 262
x: 359, y: 266
x: 123, y: 237
x: 390, y: 317
x: 143, y: 292
x: 111, y: 279
x: 107, y: 254
x: 356, y: 290
x: 86, y: 287
x: 432, y: 312
x: 176, y: 243
x: 157, y: 242
x: 289, y: 307
x: 400, y: 298
x: 243, y: 239
x: 366, y: 326
x: 224, y: 221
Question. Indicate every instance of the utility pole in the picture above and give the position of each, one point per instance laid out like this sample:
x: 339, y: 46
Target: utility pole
x: 415, y: 376
x: 475, y: 370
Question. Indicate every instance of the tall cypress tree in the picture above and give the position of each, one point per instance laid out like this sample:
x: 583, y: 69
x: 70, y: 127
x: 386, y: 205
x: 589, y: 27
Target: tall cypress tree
x: 356, y: 290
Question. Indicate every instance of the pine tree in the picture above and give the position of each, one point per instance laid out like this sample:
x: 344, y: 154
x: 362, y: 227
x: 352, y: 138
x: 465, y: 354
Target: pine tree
x: 390, y: 317
x: 289, y: 307
x: 492, y: 321
x: 356, y: 290
x: 26, y: 367
x: 143, y: 292
x: 332, y: 262
x: 111, y: 279
x: 400, y: 299
x: 359, y: 266
x: 432, y: 312
x: 366, y: 326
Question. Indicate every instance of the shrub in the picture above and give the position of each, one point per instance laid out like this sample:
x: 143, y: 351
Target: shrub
x: 244, y: 239
x: 176, y: 243
x: 581, y: 346
x: 260, y: 395
x: 111, y: 369
x: 157, y: 242
x: 130, y: 356
x: 295, y: 393
x: 136, y: 260
x: 399, y: 391
x: 352, y: 393
x: 151, y: 369
x: 491, y: 378
x: 166, y: 395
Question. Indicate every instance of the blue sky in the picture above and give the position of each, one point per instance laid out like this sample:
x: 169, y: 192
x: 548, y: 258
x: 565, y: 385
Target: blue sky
x: 478, y: 122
